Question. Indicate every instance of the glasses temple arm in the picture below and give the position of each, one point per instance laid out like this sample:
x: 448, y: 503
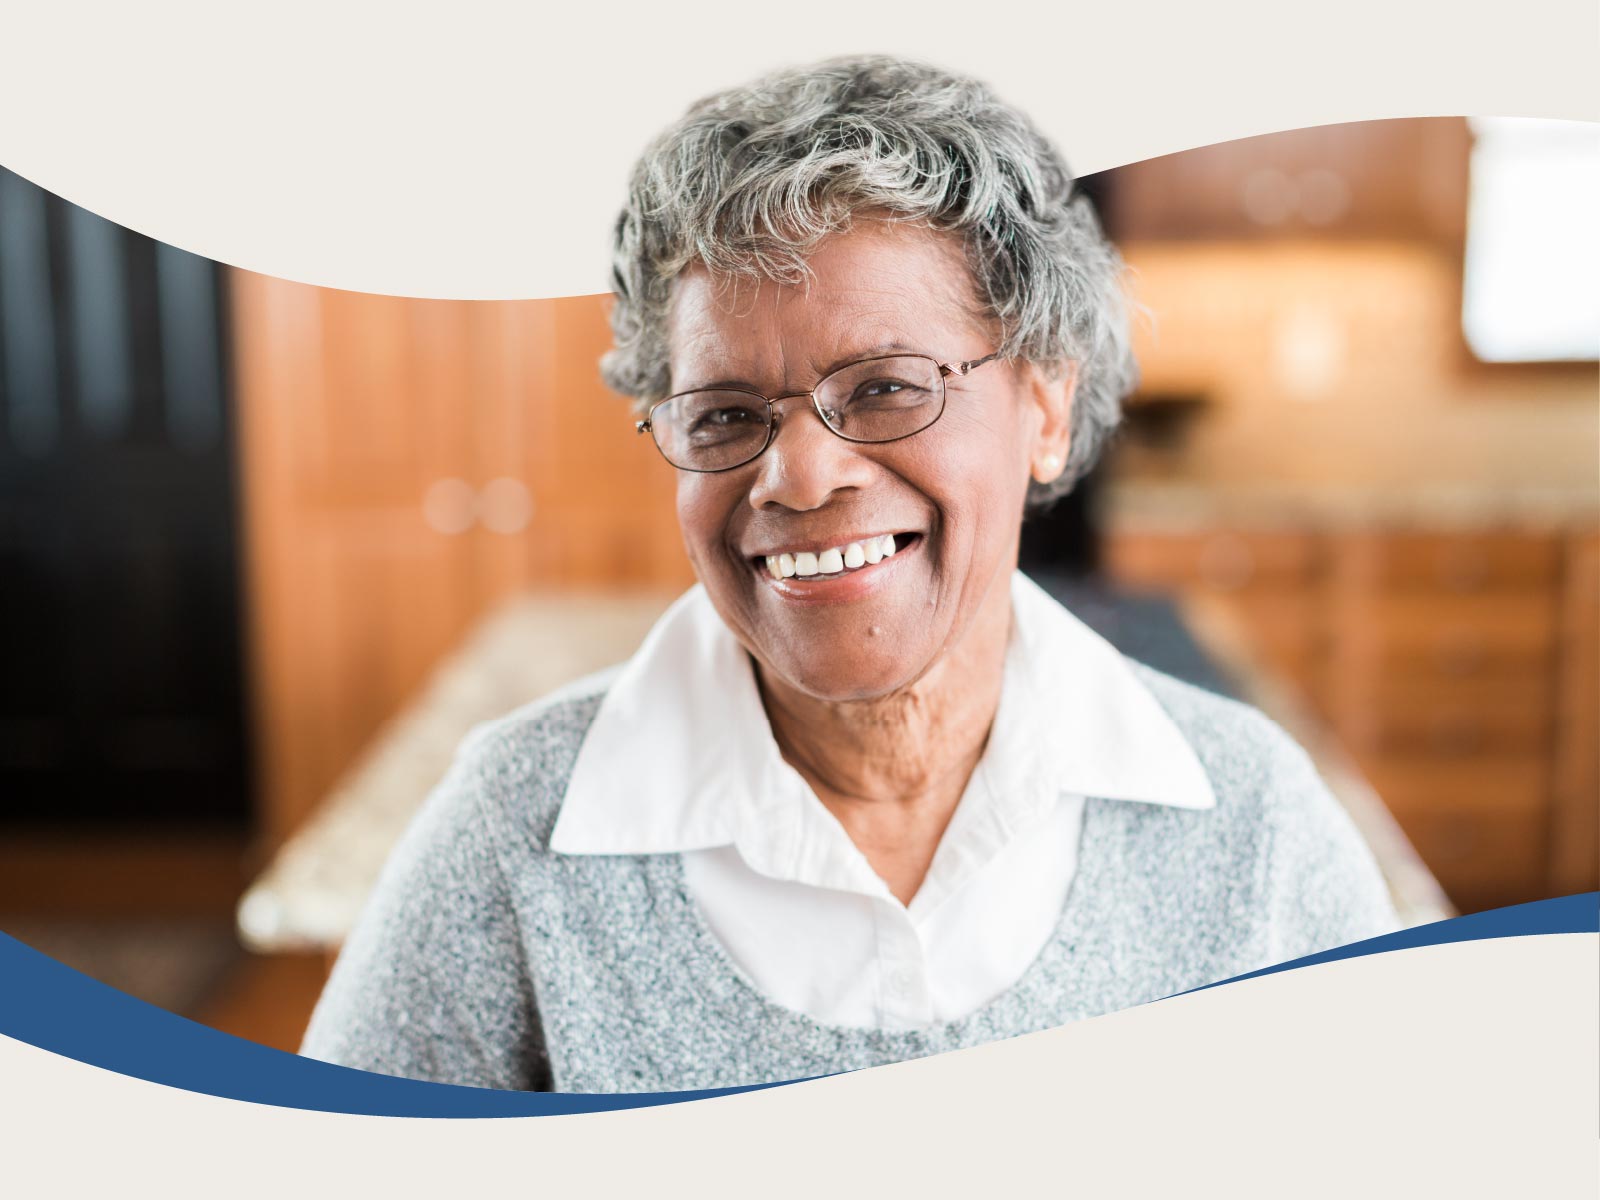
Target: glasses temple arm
x: 962, y: 368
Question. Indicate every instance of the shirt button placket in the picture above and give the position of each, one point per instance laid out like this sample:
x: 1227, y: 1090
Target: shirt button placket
x: 906, y: 1000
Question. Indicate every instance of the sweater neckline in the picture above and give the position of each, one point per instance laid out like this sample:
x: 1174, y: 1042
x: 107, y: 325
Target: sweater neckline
x: 1009, y: 1009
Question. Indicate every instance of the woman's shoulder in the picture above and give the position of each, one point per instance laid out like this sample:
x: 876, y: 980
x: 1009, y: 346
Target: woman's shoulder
x: 519, y: 763
x: 504, y: 782
x: 1250, y: 760
x: 539, y: 733
x: 449, y: 905
x: 1319, y: 884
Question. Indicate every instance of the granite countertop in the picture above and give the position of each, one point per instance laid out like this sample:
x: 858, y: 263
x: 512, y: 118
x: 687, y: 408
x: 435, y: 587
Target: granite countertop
x: 311, y: 892
x: 1181, y: 505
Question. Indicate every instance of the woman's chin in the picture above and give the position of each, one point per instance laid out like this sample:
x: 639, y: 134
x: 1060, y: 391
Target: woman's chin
x: 839, y: 682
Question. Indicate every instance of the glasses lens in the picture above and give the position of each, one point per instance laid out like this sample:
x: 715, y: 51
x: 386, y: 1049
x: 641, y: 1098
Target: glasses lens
x: 882, y: 398
x: 710, y: 431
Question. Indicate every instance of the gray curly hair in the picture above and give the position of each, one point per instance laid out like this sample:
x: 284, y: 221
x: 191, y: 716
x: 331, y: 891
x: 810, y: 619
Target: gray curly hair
x: 749, y: 180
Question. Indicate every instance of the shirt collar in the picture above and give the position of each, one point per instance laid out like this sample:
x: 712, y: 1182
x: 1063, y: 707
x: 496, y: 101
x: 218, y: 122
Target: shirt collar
x: 680, y: 755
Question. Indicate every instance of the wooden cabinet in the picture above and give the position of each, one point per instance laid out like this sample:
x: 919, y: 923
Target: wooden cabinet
x: 1271, y: 578
x: 1458, y: 669
x: 1441, y: 682
x: 1404, y: 178
x: 407, y: 464
x: 1575, y: 815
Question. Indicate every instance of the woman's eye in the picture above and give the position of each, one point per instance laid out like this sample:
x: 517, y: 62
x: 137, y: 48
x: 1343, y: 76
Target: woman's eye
x: 722, y: 422
x: 888, y: 391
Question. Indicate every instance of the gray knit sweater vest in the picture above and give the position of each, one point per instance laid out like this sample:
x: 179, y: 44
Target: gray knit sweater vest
x: 483, y: 958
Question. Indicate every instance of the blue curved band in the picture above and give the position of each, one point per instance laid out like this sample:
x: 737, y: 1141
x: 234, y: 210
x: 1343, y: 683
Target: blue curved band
x: 55, y: 1008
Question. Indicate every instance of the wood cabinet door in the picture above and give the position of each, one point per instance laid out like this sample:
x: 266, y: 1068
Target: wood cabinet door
x: 1269, y: 578
x: 1441, y: 682
x: 1575, y: 816
x: 407, y: 464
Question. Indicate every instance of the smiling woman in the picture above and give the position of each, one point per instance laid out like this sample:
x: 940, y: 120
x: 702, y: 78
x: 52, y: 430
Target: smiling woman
x: 865, y: 792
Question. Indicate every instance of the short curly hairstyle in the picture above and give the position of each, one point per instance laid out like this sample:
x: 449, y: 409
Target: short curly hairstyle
x: 749, y: 180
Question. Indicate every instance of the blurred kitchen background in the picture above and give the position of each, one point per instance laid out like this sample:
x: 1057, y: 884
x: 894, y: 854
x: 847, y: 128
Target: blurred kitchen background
x: 267, y: 549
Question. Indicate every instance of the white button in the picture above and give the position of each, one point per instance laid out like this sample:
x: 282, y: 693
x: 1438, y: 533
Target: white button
x: 901, y: 980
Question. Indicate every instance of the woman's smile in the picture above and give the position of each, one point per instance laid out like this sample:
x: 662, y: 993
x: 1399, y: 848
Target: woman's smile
x: 848, y: 569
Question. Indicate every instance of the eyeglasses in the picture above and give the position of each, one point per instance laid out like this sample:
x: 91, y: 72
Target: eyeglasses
x: 871, y: 400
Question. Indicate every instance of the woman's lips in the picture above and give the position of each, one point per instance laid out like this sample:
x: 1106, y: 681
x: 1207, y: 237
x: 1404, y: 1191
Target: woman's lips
x: 845, y: 583
x: 849, y: 555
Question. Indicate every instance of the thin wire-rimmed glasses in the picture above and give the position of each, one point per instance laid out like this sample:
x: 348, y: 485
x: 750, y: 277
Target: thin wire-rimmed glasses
x: 881, y: 399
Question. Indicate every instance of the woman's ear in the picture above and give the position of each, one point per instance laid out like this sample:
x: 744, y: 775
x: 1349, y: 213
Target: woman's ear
x: 1051, y: 394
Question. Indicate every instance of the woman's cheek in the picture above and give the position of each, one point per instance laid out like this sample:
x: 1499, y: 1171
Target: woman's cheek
x: 698, y: 521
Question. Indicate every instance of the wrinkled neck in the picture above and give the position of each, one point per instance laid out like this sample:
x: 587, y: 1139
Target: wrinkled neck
x: 893, y: 768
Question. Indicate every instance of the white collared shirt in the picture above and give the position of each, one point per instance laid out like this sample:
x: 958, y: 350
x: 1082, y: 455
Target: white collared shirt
x: 681, y: 759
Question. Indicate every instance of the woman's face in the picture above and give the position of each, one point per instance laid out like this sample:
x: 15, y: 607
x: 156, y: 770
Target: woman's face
x: 951, y: 496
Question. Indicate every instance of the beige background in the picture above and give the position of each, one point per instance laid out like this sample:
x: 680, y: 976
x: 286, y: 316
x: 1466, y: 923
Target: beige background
x: 479, y: 150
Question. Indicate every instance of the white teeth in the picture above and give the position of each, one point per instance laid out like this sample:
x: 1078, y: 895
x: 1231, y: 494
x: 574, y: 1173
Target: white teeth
x: 848, y: 557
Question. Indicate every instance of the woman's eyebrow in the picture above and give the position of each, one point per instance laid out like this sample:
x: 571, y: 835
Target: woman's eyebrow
x: 721, y: 385
x: 878, y: 350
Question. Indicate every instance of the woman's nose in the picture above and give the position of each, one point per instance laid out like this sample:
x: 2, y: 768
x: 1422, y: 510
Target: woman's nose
x: 806, y: 463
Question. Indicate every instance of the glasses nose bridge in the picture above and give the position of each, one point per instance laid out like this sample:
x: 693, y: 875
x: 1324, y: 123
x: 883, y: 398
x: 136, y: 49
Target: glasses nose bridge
x: 773, y: 403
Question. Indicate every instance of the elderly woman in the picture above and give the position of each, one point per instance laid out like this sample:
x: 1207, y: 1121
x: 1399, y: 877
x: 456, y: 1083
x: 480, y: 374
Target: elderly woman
x: 865, y: 792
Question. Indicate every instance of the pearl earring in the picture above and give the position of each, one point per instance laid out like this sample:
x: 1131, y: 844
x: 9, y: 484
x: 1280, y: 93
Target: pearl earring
x: 1049, y: 468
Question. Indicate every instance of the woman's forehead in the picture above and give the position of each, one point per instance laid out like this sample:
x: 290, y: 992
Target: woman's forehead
x: 873, y: 289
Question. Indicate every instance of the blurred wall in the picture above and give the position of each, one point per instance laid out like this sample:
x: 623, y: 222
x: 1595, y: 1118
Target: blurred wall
x: 1343, y: 363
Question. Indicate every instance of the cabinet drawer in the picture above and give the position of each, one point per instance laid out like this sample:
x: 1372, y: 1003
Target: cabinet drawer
x: 1575, y: 812
x: 1452, y: 563
x: 1450, y: 718
x: 1479, y: 822
x: 1413, y: 783
x: 1222, y: 560
x: 1282, y: 622
x: 1483, y: 859
x: 1451, y: 637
